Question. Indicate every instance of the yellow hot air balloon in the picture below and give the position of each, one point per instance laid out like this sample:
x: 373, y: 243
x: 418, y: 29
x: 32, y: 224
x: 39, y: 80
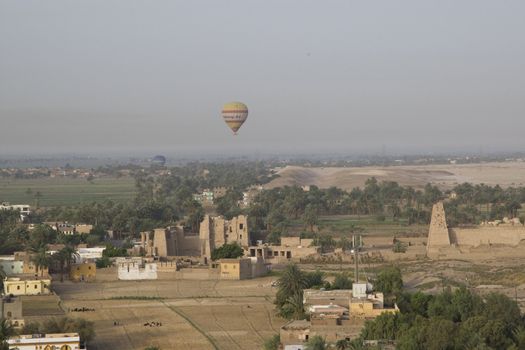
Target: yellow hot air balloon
x: 234, y: 114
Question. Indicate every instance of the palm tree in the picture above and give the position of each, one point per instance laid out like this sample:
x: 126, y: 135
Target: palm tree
x: 316, y: 343
x: 289, y: 298
x: 342, y: 344
x: 65, y: 257
x: 41, y: 260
x: 6, y: 331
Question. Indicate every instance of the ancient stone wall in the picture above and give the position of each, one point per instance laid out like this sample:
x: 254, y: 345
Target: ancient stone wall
x: 511, y: 235
x: 440, y: 237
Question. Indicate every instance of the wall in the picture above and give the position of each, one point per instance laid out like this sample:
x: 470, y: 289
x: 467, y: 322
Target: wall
x: 441, y: 240
x: 136, y: 269
x: 510, y: 235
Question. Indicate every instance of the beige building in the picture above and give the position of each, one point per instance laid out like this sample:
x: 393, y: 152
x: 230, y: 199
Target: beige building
x: 84, y: 272
x: 12, y: 311
x: 339, y: 297
x: 242, y: 268
x: 26, y: 286
x: 291, y: 248
x: 235, y: 269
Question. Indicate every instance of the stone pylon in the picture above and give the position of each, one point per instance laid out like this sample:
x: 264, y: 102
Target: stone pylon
x: 438, y: 234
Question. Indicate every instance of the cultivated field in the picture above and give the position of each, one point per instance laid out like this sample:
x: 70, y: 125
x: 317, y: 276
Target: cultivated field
x: 445, y: 176
x: 66, y: 191
x: 194, y: 314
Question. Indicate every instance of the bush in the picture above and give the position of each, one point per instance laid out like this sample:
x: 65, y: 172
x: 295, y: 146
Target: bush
x: 227, y: 251
x: 399, y: 247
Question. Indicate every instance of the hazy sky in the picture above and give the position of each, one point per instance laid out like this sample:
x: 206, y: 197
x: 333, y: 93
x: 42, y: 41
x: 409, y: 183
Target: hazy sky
x: 89, y: 76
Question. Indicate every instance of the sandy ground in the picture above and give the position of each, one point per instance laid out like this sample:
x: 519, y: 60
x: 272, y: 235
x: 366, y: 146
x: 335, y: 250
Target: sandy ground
x: 445, y: 176
x: 194, y: 314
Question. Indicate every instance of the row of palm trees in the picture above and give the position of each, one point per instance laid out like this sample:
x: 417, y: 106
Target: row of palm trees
x: 64, y: 258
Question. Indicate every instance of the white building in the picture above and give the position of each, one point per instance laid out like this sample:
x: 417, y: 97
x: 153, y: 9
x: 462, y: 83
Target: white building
x: 89, y: 254
x: 136, y: 269
x: 24, y: 209
x: 58, y: 341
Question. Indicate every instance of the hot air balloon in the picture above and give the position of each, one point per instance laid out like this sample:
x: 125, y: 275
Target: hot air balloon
x: 234, y: 114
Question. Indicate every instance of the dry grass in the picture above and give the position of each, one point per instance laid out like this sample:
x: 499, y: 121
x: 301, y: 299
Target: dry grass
x: 194, y: 314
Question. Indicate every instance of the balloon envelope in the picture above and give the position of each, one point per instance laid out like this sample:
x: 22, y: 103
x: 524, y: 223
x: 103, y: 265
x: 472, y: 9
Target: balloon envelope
x: 235, y: 114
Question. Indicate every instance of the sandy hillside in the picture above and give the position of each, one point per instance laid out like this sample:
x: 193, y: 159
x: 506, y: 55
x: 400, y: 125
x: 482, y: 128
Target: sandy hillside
x: 445, y: 176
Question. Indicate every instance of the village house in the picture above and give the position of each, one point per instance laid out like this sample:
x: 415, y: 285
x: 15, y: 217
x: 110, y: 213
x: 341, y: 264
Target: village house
x: 84, y: 272
x: 242, y: 268
x: 335, y: 314
x: 26, y: 286
x: 12, y: 311
x: 24, y: 209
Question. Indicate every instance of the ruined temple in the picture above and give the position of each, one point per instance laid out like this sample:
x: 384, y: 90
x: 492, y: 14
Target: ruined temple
x: 216, y: 231
x: 168, y: 242
x: 444, y: 241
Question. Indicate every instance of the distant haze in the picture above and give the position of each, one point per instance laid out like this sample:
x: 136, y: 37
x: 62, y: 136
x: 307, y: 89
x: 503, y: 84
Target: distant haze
x: 347, y: 76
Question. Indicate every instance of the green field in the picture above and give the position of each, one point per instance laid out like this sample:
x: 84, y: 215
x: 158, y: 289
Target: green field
x: 66, y: 191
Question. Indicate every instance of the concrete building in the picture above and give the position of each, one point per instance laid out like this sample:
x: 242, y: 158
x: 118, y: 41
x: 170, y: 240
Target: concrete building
x: 26, y: 286
x: 89, y: 254
x: 56, y: 341
x: 339, y: 297
x: 368, y: 304
x: 242, y: 268
x: 235, y: 269
x: 136, y: 269
x: 84, y: 272
x: 83, y: 228
x: 10, y: 266
x: 249, y: 195
x: 70, y: 229
x: 291, y: 248
x: 24, y: 209
x: 216, y: 231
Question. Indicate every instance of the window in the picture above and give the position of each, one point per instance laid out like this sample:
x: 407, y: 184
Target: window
x: 17, y: 287
x: 240, y: 236
x: 9, y: 314
x: 231, y: 229
x: 241, y: 226
x: 89, y: 267
x: 36, y: 286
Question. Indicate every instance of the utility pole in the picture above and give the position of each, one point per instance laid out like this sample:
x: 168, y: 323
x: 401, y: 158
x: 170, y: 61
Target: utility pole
x: 356, y: 258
